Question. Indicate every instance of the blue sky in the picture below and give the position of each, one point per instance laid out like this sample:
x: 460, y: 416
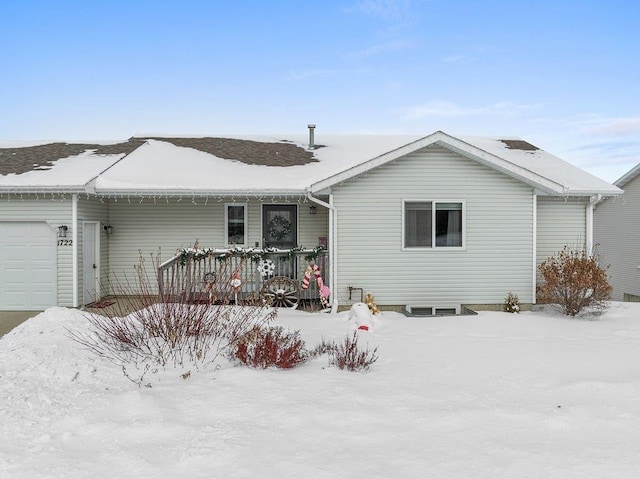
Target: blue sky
x: 562, y: 74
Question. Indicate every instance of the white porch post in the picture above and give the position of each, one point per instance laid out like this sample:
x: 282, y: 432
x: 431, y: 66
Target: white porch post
x: 333, y: 246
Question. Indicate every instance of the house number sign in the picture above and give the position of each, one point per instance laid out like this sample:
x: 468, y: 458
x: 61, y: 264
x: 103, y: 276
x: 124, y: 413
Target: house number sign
x: 65, y: 242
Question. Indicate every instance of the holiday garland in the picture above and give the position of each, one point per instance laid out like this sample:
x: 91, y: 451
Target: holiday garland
x: 256, y: 255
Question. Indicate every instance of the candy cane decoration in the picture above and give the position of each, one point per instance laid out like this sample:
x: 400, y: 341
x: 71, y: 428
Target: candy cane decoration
x: 307, y: 277
x: 323, y: 290
x: 311, y: 269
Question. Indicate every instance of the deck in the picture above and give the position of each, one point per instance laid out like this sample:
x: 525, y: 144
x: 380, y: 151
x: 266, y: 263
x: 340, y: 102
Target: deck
x: 244, y: 276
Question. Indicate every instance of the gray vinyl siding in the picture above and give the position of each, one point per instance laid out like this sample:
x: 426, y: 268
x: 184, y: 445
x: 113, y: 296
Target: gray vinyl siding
x: 561, y: 221
x: 54, y: 212
x: 160, y: 229
x: 497, y: 258
x: 617, y: 232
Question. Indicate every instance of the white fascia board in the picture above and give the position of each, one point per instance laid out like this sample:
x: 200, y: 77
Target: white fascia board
x: 628, y: 176
x: 35, y: 189
x: 454, y: 144
x: 609, y: 192
x: 198, y: 193
x: 375, y: 162
x: 503, y: 166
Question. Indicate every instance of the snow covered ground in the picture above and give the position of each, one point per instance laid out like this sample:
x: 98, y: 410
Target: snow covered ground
x: 495, y: 395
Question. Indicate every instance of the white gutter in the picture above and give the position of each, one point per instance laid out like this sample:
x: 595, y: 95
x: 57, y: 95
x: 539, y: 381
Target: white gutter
x: 593, y: 201
x: 196, y: 193
x: 333, y: 246
x: 74, y: 248
x: 36, y: 189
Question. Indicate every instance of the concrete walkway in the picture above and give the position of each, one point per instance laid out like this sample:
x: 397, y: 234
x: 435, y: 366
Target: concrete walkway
x: 11, y: 319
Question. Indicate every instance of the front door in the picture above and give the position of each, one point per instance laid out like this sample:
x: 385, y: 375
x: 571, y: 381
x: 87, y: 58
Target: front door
x: 280, y: 225
x: 90, y: 239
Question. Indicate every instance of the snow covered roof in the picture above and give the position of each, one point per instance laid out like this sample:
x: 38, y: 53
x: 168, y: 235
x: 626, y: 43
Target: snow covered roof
x: 263, y: 165
x: 628, y: 176
x: 281, y: 167
x: 512, y: 156
x: 57, y: 167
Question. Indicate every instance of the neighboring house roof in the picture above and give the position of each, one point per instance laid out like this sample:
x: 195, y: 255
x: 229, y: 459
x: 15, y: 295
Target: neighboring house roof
x: 628, y: 176
x: 263, y: 165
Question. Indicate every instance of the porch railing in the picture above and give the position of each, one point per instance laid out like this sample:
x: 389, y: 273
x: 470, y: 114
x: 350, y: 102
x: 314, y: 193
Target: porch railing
x: 199, y: 275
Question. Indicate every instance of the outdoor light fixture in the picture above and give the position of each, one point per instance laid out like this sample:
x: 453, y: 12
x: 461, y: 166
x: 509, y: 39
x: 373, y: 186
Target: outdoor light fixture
x: 62, y: 231
x: 312, y: 209
x: 108, y: 229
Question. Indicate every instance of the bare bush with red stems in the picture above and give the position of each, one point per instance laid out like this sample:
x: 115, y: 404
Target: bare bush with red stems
x: 143, y: 332
x: 272, y: 346
x: 350, y: 356
x: 575, y: 281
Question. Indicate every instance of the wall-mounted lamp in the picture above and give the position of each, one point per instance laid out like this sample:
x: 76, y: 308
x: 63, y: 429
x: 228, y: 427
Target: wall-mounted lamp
x: 108, y: 229
x: 312, y: 209
x: 62, y: 231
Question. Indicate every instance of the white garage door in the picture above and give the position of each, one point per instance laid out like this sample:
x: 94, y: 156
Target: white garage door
x: 27, y: 266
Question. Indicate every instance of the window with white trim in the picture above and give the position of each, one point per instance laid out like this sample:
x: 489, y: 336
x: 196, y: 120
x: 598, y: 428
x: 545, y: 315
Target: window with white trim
x: 236, y: 224
x: 429, y: 224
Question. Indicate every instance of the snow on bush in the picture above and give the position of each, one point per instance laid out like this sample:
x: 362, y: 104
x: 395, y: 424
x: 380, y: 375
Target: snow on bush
x: 144, y: 332
x: 511, y: 303
x: 574, y: 281
x: 272, y: 346
x: 169, y: 335
x: 348, y: 355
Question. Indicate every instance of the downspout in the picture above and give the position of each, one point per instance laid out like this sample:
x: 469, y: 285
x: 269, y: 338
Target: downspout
x: 333, y: 246
x: 593, y: 201
x: 535, y: 246
x: 74, y: 249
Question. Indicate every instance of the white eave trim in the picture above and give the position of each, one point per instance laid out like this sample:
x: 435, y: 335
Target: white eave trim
x: 374, y: 163
x: 34, y: 189
x: 544, y: 185
x: 628, y: 176
x: 615, y: 191
x: 173, y: 193
x: 90, y: 189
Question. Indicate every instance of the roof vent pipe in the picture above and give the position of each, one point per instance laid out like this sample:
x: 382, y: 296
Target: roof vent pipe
x: 311, y: 127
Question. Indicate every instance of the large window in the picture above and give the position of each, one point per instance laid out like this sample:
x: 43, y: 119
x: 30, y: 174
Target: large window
x: 433, y: 223
x: 236, y: 224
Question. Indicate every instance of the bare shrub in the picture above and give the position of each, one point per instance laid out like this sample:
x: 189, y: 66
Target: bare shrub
x: 143, y: 332
x: 574, y: 281
x: 273, y: 346
x: 325, y: 347
x: 348, y: 355
x: 511, y: 303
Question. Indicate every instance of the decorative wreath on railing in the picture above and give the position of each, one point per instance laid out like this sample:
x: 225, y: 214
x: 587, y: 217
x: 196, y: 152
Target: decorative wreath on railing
x: 279, y: 228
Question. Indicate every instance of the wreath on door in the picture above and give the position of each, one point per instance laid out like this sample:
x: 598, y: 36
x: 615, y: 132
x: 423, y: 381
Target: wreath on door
x: 279, y: 228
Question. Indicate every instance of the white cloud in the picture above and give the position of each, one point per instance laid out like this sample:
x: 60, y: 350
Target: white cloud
x: 388, y: 10
x: 617, y: 127
x: 606, y: 147
x: 447, y: 109
x: 454, y: 59
x: 311, y: 73
x: 382, y: 48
